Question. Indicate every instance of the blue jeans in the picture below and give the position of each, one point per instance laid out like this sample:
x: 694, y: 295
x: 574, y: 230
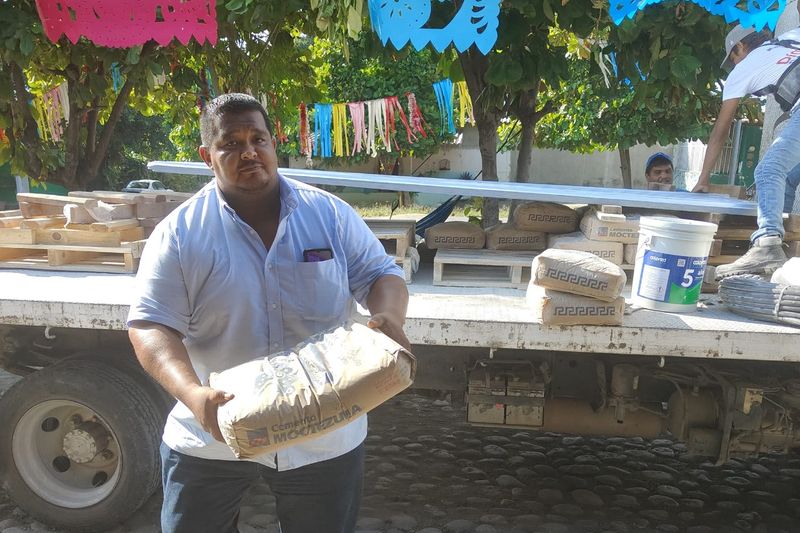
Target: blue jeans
x: 792, y: 181
x: 777, y: 177
x: 202, y: 495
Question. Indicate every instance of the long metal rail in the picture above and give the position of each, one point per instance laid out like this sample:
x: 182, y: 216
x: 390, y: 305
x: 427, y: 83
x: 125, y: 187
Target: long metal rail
x: 570, y: 194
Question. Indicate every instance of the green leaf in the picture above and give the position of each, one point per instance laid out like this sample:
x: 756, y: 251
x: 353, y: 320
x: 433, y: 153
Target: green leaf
x: 684, y: 68
x: 655, y: 49
x: 455, y: 72
x: 234, y: 5
x: 322, y: 22
x: 353, y: 22
x: 548, y: 11
x: 133, y: 55
x: 26, y: 44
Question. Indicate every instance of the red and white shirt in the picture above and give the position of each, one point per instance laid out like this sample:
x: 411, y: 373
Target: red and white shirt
x: 761, y: 68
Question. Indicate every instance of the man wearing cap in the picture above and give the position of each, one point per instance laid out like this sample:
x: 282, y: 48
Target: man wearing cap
x: 658, y: 169
x: 761, y: 66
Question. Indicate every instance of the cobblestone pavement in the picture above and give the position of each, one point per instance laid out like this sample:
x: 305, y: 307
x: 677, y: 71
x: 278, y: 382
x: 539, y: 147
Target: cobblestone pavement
x: 430, y: 472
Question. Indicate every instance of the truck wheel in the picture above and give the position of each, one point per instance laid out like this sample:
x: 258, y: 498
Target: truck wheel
x: 128, y: 364
x: 79, y: 445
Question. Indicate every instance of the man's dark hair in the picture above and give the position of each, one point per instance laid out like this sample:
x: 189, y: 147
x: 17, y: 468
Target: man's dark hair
x: 754, y: 40
x: 228, y: 103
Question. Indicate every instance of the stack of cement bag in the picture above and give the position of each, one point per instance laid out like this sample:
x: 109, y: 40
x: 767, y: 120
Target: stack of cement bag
x: 614, y: 240
x: 527, y: 230
x: 572, y: 287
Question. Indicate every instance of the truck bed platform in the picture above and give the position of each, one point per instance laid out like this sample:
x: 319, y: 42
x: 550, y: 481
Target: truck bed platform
x: 438, y: 316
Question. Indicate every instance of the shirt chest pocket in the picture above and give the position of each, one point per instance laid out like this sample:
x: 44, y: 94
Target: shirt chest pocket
x: 321, y: 290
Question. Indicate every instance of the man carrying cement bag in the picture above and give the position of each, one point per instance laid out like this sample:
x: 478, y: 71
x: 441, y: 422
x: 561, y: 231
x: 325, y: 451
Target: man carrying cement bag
x: 316, y: 387
x: 251, y: 265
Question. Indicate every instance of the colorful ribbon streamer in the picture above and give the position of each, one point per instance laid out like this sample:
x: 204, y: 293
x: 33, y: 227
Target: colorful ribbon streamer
x: 415, y: 117
x: 393, y: 105
x: 359, y: 128
x: 323, y: 117
x: 341, y: 144
x: 207, y: 79
x: 389, y: 119
x: 305, y: 139
x: 373, y: 123
x: 377, y: 126
x: 116, y: 77
x: 52, y: 112
x: 464, y: 104
x: 444, y: 99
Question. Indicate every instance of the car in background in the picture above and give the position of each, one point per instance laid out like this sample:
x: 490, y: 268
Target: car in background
x: 145, y: 186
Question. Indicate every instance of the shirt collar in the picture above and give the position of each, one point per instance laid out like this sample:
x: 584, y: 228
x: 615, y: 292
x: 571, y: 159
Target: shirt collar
x: 288, y: 196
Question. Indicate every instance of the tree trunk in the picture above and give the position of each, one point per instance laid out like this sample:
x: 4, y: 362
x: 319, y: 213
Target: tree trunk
x: 526, y: 113
x: 90, y: 167
x: 625, y: 167
x: 524, y: 158
x: 487, y: 141
x: 475, y: 66
x: 528, y: 118
x: 525, y: 154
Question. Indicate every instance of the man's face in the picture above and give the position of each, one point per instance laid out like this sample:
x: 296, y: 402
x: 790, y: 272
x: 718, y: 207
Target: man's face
x: 242, y: 154
x: 660, y: 174
x: 738, y: 53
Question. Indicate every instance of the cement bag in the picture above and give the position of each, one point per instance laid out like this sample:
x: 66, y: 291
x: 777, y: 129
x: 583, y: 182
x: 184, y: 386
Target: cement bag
x: 626, y: 232
x: 507, y: 237
x: 788, y: 274
x: 610, y: 251
x: 455, y: 235
x: 316, y: 387
x: 559, y: 308
x: 629, y: 254
x: 578, y: 273
x: 545, y: 217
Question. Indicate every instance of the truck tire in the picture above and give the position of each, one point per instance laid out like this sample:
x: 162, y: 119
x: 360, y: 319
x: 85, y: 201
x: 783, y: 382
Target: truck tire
x: 79, y: 445
x: 127, y: 363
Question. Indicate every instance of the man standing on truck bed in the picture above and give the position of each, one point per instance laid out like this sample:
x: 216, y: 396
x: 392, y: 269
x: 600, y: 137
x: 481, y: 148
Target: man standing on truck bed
x: 253, y: 264
x: 762, y: 66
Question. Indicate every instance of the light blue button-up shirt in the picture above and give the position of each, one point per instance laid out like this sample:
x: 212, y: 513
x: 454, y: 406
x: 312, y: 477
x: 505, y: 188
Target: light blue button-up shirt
x: 207, y: 274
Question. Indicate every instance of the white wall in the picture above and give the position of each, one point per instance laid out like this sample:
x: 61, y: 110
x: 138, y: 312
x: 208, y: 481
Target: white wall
x: 601, y: 169
x: 598, y: 169
x: 464, y: 156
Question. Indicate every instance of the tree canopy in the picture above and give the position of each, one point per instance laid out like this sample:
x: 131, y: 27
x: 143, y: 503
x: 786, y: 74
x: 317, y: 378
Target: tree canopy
x: 255, y: 53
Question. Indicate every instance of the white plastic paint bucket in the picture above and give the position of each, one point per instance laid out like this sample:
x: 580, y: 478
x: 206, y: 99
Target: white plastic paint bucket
x: 671, y: 261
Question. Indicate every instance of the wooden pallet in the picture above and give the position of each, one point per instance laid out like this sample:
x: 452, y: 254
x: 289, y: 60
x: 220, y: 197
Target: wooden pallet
x: 83, y: 236
x: 395, y: 235
x: 733, y: 241
x: 482, y: 268
x: 109, y: 259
